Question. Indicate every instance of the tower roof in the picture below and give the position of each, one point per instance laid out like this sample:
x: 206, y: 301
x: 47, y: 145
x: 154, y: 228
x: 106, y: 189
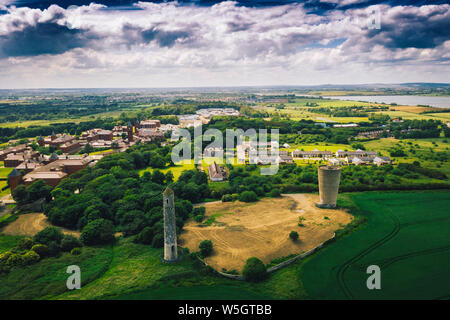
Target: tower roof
x: 14, y: 173
x: 53, y: 133
x: 168, y: 191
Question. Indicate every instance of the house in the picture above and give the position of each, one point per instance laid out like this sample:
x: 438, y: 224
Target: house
x: 28, y: 166
x: 70, y: 146
x: 16, y: 149
x: 53, y: 172
x: 284, y: 159
x: 13, y: 160
x: 150, y: 124
x: 314, y: 154
x: 357, y: 153
x: 216, y: 172
x: 379, y: 161
x: 296, y: 153
x: 150, y: 134
x: 57, y: 141
x: 334, y: 162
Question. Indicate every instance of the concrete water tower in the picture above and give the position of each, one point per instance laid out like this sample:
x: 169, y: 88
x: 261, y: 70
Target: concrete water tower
x: 170, y: 231
x: 329, y: 177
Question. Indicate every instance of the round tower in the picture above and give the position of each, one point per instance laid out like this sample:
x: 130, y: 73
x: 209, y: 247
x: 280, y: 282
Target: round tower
x: 170, y: 231
x: 329, y: 178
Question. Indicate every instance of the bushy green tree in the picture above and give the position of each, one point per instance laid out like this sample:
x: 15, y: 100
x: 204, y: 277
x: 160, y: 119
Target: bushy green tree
x: 254, y: 270
x: 206, y: 248
x: 248, y: 196
x: 40, y: 249
x: 293, y: 235
x: 49, y: 234
x: 99, y: 231
x: 69, y: 242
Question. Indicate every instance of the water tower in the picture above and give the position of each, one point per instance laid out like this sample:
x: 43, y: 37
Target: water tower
x: 329, y: 177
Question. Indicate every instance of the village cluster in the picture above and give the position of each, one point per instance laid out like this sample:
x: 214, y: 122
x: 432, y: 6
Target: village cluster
x: 30, y: 165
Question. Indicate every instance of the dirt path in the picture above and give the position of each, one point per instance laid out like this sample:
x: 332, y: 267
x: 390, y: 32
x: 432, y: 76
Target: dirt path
x: 31, y: 223
x: 261, y: 229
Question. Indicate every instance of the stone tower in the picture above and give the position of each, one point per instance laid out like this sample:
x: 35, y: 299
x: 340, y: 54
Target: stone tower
x: 170, y: 231
x: 329, y: 178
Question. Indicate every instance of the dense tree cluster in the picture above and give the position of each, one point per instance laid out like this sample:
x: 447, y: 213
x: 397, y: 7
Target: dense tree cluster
x: 112, y: 197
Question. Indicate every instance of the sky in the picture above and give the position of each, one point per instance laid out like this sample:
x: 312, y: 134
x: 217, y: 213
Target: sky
x: 106, y: 44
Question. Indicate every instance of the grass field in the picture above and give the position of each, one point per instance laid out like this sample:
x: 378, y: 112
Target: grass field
x: 176, y: 170
x: 423, y: 149
x: 196, y: 293
x: 4, y: 172
x: 407, y: 235
x: 5, y: 192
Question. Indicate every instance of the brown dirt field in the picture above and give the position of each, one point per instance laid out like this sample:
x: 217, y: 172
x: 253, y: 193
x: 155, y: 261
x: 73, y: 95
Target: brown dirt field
x: 261, y: 229
x: 31, y: 223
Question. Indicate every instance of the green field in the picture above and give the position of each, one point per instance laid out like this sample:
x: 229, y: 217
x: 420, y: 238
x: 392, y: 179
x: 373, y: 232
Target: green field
x: 406, y: 235
x: 4, y: 172
x: 195, y: 293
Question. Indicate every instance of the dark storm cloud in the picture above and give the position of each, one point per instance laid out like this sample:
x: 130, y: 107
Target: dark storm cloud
x: 412, y: 28
x: 43, y: 38
x: 316, y: 6
x: 236, y: 26
x: 164, y: 38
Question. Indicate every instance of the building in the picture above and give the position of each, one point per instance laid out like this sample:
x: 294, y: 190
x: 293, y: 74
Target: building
x: 334, y: 162
x: 57, y: 141
x: 98, y: 134
x: 53, y: 172
x: 379, y: 161
x: 149, y: 124
x: 17, y: 149
x: 312, y: 154
x: 285, y: 159
x: 28, y: 166
x: 69, y: 147
x: 358, y: 153
x: 12, y: 160
x: 150, y: 134
x: 216, y: 172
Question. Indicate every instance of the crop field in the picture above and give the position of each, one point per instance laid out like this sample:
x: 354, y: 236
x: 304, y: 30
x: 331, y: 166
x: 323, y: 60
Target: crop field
x: 406, y: 235
x: 242, y: 230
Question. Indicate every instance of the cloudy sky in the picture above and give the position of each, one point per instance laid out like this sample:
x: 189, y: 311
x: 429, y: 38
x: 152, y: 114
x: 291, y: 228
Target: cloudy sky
x: 54, y: 44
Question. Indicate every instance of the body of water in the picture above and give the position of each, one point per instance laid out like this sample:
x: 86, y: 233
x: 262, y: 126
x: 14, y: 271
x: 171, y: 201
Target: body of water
x: 439, y: 102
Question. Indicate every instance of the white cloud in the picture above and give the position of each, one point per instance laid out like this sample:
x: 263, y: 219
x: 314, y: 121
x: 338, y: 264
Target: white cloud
x: 172, y: 45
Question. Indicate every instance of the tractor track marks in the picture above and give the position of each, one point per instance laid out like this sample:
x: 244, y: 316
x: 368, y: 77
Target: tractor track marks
x: 344, y: 267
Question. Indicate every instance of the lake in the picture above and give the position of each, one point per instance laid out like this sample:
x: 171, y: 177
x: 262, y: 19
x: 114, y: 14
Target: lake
x: 439, y: 102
